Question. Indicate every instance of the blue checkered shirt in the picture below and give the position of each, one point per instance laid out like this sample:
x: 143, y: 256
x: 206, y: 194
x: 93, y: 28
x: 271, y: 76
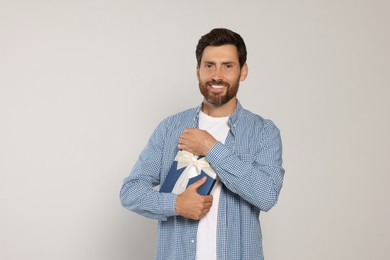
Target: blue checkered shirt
x: 249, y: 166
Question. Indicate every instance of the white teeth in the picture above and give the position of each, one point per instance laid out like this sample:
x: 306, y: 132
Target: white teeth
x: 217, y: 86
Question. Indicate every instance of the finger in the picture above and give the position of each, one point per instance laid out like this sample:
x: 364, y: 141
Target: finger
x: 181, y: 143
x: 183, y: 138
x: 198, y: 183
x: 208, y: 199
x: 182, y: 146
x: 206, y: 210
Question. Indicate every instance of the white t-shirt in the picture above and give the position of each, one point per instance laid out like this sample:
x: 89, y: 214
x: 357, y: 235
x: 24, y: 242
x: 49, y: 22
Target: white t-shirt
x: 206, y: 242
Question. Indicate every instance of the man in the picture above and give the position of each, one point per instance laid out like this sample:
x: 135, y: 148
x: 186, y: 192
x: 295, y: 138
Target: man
x: 244, y: 149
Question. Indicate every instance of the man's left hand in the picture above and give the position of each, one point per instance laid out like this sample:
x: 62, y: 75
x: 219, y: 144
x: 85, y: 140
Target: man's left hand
x: 196, y: 141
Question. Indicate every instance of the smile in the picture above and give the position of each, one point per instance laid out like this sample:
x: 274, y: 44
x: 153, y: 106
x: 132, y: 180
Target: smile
x: 218, y: 86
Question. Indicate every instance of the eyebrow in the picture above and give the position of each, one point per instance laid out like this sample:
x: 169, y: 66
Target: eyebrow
x: 223, y: 63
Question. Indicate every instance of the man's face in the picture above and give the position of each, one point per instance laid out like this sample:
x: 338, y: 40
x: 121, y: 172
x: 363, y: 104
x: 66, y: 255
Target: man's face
x: 219, y: 74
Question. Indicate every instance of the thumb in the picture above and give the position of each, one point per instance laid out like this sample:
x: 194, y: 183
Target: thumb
x: 198, y: 183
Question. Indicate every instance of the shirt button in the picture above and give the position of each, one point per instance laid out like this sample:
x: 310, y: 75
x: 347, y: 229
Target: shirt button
x: 192, y: 241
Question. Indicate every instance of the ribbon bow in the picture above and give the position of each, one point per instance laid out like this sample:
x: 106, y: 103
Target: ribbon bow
x: 194, y: 168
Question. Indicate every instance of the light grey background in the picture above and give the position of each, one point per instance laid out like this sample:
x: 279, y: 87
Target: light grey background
x: 83, y: 84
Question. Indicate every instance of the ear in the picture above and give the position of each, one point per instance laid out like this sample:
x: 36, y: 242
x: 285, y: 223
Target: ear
x: 197, y: 71
x: 244, y: 72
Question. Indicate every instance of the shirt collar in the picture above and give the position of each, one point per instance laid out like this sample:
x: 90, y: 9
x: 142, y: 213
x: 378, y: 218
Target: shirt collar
x: 233, y: 119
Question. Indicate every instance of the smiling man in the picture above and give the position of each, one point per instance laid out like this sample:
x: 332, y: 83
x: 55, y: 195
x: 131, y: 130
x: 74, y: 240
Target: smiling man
x: 243, y: 149
x: 219, y: 73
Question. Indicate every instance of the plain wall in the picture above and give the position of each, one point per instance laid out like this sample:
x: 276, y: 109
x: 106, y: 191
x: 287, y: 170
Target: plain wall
x: 84, y: 83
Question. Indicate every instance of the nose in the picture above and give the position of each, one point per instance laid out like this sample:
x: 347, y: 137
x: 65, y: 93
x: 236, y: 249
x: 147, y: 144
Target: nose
x: 217, y: 75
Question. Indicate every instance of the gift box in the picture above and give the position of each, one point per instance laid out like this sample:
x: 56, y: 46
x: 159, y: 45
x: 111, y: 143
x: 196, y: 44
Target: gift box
x: 186, y: 169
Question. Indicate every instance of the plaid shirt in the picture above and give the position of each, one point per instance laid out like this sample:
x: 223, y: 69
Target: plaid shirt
x: 249, y: 166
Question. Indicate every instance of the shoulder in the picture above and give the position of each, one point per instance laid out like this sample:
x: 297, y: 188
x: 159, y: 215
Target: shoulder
x: 177, y: 121
x: 181, y: 117
x: 257, y: 121
x: 261, y: 131
x: 190, y: 112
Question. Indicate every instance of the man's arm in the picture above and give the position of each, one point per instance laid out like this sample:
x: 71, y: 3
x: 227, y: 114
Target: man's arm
x: 138, y: 193
x: 257, y: 178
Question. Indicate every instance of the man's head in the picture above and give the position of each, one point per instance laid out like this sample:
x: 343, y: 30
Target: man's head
x: 221, y: 65
x: 218, y: 37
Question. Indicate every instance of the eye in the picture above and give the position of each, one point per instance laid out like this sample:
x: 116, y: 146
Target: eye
x: 208, y: 65
x: 228, y: 66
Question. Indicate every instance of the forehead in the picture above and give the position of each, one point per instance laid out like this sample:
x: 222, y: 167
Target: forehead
x: 223, y: 53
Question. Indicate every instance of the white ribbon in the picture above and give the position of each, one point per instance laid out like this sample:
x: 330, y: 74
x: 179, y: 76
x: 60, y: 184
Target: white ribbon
x: 194, y: 168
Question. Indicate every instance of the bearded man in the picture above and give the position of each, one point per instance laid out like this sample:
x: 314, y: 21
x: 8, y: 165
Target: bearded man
x: 243, y: 149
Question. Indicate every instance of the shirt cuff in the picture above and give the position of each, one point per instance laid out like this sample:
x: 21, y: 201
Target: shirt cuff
x: 216, y: 153
x: 168, y: 203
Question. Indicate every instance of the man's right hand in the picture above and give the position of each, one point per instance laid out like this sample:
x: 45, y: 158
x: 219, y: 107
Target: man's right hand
x: 190, y: 204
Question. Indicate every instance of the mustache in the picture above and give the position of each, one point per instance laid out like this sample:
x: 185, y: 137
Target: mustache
x: 217, y: 82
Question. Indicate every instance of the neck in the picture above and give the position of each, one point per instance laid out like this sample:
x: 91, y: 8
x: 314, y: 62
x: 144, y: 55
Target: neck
x: 219, y: 111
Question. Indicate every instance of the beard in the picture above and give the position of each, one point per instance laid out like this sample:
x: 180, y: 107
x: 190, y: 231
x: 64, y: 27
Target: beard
x: 219, y: 99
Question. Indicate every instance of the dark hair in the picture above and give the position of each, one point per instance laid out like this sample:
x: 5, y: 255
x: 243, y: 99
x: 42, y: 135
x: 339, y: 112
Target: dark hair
x: 218, y: 37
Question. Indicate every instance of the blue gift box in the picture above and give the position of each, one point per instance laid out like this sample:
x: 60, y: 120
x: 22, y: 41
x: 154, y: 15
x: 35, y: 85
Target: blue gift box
x: 186, y: 169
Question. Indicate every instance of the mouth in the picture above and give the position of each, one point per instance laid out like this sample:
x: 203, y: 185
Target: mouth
x: 217, y: 88
x: 214, y: 86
